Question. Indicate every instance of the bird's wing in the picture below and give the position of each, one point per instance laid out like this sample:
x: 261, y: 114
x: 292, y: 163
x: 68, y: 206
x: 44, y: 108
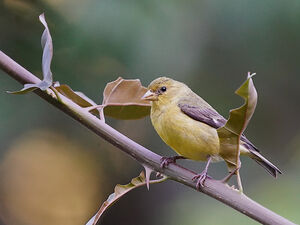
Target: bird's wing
x: 205, y: 115
x: 212, y: 118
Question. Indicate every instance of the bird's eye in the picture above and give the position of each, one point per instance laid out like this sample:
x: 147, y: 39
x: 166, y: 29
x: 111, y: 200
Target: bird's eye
x: 163, y: 88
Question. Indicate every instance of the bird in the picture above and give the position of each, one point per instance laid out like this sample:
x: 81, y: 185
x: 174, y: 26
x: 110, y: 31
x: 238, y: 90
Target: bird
x: 188, y: 124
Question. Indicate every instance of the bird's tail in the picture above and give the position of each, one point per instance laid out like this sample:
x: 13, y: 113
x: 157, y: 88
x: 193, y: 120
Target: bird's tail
x: 272, y: 169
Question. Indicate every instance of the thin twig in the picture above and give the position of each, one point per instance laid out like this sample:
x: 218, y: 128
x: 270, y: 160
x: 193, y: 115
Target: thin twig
x: 213, y: 188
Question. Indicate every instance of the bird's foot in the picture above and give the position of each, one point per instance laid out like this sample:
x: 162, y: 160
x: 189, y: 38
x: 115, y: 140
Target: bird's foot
x: 201, y: 177
x: 165, y: 161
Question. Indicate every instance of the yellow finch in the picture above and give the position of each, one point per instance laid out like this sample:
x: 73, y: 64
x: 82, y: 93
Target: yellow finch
x: 188, y: 124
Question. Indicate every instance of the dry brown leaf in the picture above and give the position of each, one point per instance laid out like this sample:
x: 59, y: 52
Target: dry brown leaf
x: 122, y: 99
x: 78, y: 97
x: 121, y: 190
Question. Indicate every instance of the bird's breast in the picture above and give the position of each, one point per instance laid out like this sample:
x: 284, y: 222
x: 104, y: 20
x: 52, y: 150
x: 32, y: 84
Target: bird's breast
x: 188, y: 137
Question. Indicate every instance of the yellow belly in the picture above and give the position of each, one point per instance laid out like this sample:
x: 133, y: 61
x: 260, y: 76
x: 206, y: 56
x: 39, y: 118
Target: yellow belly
x: 188, y: 137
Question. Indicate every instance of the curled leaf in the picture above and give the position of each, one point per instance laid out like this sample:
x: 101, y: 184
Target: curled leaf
x: 239, y: 118
x: 47, y: 46
x: 121, y: 190
x: 122, y: 99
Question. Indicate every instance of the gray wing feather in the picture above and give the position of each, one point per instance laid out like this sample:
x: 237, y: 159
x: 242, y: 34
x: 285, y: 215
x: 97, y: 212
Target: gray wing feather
x: 212, y: 118
x: 207, y: 115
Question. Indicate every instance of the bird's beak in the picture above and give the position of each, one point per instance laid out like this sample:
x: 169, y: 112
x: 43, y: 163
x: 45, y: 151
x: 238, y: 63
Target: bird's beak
x: 149, y: 96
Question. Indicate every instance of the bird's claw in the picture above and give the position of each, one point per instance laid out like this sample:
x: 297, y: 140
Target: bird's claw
x: 201, y: 177
x: 165, y: 161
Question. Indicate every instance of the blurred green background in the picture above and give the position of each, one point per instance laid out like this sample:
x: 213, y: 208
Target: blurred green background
x: 54, y: 171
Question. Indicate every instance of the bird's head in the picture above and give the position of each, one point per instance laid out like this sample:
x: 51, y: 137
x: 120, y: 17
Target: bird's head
x: 164, y: 90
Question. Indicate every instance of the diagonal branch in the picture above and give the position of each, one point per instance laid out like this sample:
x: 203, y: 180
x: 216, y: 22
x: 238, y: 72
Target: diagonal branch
x: 213, y: 188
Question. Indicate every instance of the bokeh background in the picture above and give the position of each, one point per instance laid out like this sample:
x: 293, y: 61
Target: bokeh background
x: 54, y: 171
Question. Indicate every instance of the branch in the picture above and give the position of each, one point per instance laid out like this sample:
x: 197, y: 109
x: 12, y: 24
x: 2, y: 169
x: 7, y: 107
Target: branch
x: 213, y: 188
